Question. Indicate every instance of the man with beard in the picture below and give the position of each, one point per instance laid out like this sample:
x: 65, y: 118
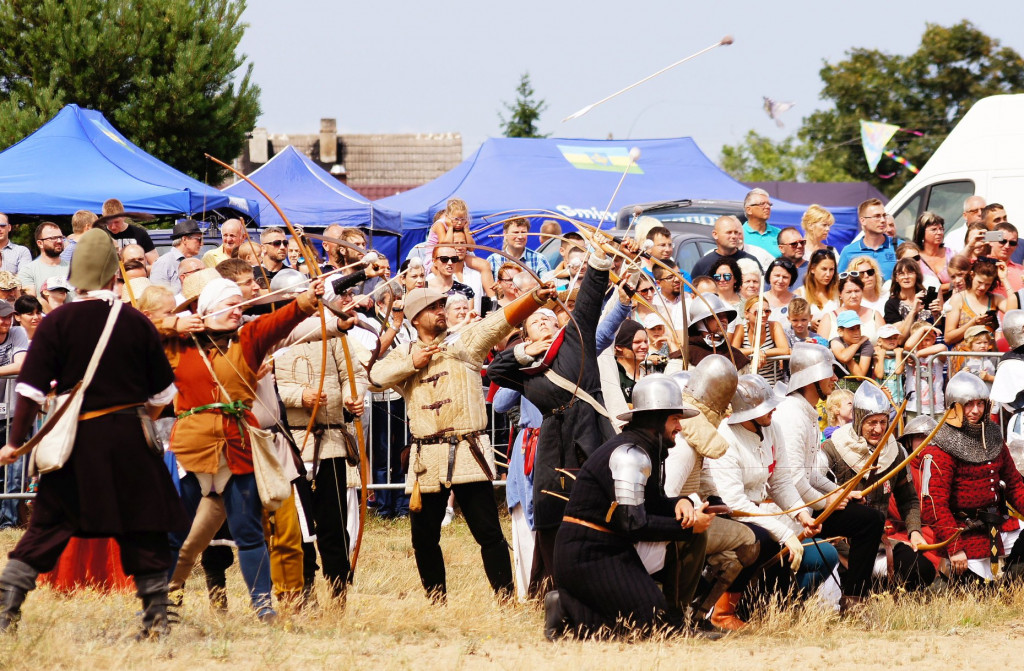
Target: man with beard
x: 968, y: 477
x: 617, y: 500
x: 439, y: 376
x: 275, y: 251
x: 898, y: 564
x: 50, y: 241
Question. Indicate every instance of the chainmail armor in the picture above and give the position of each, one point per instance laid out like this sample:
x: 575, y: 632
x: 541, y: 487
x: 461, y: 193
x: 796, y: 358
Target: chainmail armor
x: 965, y: 443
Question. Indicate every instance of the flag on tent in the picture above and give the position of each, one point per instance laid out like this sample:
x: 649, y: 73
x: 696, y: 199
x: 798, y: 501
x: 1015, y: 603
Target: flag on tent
x: 874, y: 136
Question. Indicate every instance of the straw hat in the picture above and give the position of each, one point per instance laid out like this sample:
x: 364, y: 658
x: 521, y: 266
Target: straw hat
x: 193, y: 286
x: 138, y: 285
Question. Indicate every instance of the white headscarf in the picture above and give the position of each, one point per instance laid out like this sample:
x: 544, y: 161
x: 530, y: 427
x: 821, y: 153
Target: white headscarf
x: 215, y: 293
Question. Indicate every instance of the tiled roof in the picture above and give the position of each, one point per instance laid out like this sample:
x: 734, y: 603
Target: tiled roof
x: 377, y: 164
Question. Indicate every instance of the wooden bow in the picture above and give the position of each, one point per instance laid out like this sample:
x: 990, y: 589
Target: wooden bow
x: 314, y: 272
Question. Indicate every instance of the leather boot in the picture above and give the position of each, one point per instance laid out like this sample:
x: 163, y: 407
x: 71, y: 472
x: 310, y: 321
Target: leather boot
x: 156, y: 617
x: 724, y: 615
x: 554, y: 617
x: 216, y: 588
x: 16, y: 581
x: 851, y: 605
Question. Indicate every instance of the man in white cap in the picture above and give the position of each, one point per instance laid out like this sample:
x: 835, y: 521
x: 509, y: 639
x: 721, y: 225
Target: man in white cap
x: 439, y: 376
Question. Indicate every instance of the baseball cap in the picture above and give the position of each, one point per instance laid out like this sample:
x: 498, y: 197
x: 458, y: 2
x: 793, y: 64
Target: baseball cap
x: 847, y: 319
x: 56, y: 282
x: 975, y: 330
x: 888, y: 331
x: 6, y: 309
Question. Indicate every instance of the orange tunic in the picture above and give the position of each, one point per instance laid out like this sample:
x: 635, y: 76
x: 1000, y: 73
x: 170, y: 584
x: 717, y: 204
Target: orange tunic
x: 199, y: 440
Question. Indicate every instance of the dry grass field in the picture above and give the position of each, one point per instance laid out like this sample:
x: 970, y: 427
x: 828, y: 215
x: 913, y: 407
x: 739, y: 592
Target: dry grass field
x: 388, y: 624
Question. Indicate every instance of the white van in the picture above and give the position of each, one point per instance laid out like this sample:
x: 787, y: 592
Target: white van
x: 983, y: 155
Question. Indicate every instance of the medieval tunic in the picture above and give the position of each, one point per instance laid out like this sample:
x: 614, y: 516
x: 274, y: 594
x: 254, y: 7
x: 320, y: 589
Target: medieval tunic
x: 114, y: 484
x: 600, y: 576
x: 961, y: 477
x: 847, y: 453
x: 572, y: 429
x: 445, y: 398
x: 199, y: 440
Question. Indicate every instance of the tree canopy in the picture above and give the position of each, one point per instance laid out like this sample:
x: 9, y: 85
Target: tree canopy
x: 928, y: 91
x: 162, y: 71
x: 523, y: 113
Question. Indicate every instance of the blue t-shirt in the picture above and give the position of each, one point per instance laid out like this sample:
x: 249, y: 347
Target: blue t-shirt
x: 768, y: 241
x: 885, y: 256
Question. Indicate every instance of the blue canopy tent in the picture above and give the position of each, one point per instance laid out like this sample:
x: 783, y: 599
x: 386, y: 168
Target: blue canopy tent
x: 311, y: 196
x: 77, y: 160
x: 577, y: 178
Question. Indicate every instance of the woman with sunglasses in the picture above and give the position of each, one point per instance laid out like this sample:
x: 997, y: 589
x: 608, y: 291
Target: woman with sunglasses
x: 728, y: 281
x: 930, y: 236
x: 851, y: 296
x: 867, y: 269
x: 817, y: 222
x: 773, y: 340
x: 819, y: 289
x: 781, y: 276
x: 906, y: 304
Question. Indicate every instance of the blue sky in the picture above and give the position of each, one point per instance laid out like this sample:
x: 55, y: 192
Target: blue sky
x: 395, y: 67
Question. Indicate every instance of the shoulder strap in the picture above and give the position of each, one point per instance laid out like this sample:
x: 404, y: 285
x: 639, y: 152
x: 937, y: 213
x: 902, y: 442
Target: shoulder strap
x: 94, y: 362
x: 576, y: 390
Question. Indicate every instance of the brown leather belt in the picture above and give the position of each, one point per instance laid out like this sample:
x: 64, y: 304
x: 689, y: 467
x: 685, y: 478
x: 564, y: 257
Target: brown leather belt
x: 93, y: 414
x: 584, y: 523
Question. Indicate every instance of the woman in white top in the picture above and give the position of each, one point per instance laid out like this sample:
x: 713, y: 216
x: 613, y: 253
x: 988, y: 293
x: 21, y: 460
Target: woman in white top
x: 851, y: 294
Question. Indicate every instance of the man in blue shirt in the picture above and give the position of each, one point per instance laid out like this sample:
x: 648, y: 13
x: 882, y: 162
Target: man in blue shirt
x: 874, y: 243
x: 516, y: 231
x: 758, y: 207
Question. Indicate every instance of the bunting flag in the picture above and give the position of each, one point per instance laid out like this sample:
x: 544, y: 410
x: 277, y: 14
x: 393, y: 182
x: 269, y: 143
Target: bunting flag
x: 902, y: 161
x: 874, y: 136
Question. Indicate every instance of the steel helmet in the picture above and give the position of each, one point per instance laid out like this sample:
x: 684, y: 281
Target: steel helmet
x: 681, y: 378
x: 1013, y: 328
x: 921, y: 425
x: 965, y: 387
x: 657, y: 392
x: 869, y: 400
x: 754, y: 398
x: 713, y: 382
x: 702, y: 309
x: 809, y: 363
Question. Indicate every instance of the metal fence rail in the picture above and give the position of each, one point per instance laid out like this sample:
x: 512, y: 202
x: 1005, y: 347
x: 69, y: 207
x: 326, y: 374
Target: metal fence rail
x: 387, y: 446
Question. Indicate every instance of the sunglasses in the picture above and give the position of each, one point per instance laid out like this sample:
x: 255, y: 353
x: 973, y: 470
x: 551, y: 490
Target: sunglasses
x: 276, y: 243
x: 795, y: 243
x: 648, y: 290
x: 447, y: 259
x: 724, y: 277
x: 870, y: 272
x: 1011, y: 243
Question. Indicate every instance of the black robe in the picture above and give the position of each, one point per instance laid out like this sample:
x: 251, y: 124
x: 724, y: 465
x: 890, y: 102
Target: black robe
x: 601, y: 579
x: 568, y: 435
x: 113, y: 483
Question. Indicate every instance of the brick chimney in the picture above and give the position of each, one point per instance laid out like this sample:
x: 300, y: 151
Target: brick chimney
x: 328, y: 141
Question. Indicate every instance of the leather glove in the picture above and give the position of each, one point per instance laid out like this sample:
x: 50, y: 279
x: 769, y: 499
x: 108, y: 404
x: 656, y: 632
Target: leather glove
x: 796, y: 551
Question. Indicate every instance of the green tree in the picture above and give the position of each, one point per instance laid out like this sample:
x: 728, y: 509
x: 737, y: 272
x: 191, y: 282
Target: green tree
x: 928, y: 91
x: 162, y: 71
x: 523, y: 113
x: 759, y: 159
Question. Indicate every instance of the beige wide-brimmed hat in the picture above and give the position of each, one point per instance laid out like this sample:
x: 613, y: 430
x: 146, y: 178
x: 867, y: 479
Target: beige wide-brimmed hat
x: 193, y: 286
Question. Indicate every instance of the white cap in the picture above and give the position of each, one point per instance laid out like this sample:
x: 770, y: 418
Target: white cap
x: 888, y: 331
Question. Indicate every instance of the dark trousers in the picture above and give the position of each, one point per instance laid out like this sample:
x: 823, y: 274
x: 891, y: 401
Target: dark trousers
x: 862, y: 526
x: 330, y: 513
x: 476, y: 499
x: 389, y: 437
x: 911, y: 570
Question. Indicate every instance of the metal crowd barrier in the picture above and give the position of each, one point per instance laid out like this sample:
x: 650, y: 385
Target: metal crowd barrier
x: 15, y: 477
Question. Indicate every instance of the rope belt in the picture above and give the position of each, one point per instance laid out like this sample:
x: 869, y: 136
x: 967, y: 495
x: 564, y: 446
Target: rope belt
x: 93, y: 414
x: 584, y: 523
x: 234, y: 409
